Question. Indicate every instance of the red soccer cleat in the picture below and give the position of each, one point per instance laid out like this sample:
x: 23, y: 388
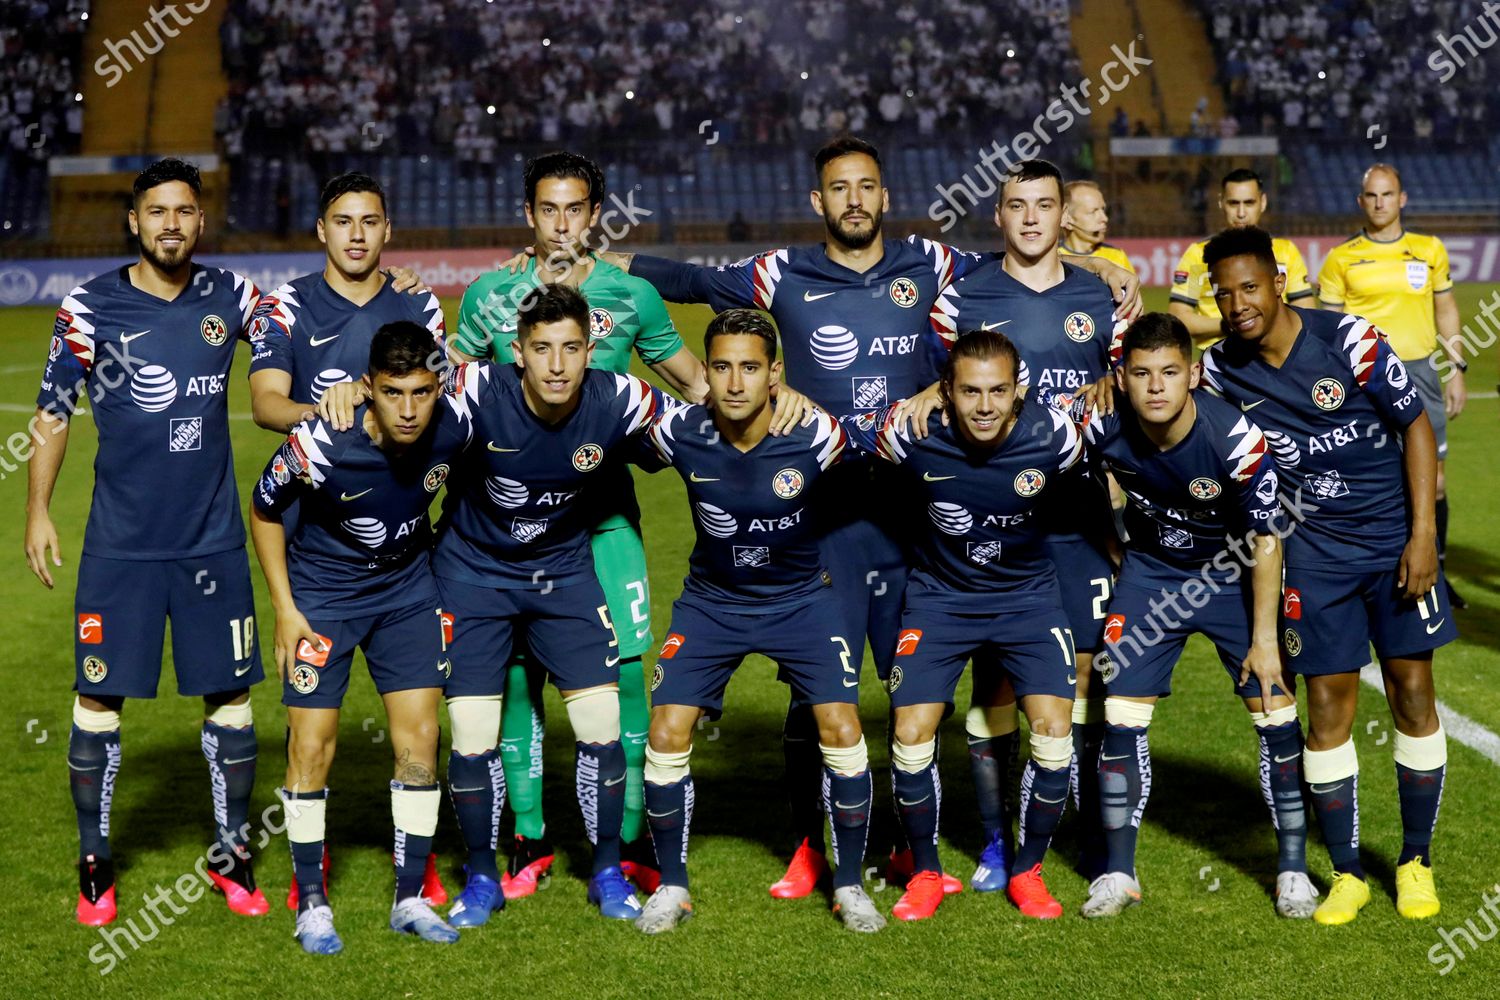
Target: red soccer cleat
x: 1029, y: 893
x: 293, y: 897
x: 96, y: 892
x: 432, y: 884
x: 529, y: 866
x: 899, y: 872
x: 924, y: 891
x: 245, y: 902
x: 802, y: 875
x: 639, y: 865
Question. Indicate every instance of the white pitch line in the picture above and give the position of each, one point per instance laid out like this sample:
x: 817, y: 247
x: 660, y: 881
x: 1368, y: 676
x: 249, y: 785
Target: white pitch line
x: 1457, y: 725
x: 24, y: 408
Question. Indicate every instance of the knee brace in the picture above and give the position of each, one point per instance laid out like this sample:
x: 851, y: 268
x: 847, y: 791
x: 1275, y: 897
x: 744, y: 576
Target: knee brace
x: 595, y: 715
x: 476, y: 724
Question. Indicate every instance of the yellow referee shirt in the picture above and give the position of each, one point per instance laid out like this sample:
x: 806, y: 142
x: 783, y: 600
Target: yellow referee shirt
x: 1392, y: 285
x: 1190, y: 282
x: 1103, y: 251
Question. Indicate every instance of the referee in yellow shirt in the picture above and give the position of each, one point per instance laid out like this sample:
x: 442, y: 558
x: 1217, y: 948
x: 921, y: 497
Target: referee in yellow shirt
x: 1398, y: 280
x: 1242, y: 197
x: 1085, y: 223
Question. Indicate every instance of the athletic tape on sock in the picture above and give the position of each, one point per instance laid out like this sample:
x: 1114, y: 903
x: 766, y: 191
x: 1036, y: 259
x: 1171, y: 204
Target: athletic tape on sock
x: 1324, y: 767
x: 1087, y: 711
x: 666, y: 768
x: 595, y: 715
x: 985, y: 722
x: 1276, y: 717
x: 476, y: 724
x: 414, y: 808
x: 305, y: 818
x: 912, y: 759
x: 232, y: 716
x: 91, y: 721
x: 1421, y: 753
x: 1128, y: 714
x: 1051, y: 752
x: 847, y: 761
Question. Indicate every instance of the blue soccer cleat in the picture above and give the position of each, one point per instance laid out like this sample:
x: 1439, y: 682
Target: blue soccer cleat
x: 413, y: 915
x: 993, y: 873
x: 315, y: 931
x: 616, y: 900
x: 480, y: 898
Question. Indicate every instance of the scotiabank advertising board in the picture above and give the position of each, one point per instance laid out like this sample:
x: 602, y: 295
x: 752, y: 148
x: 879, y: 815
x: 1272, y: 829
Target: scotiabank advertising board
x: 449, y: 272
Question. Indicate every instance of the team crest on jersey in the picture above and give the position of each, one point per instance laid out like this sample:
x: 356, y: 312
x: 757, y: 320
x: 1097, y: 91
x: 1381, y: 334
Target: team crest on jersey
x: 787, y: 483
x: 601, y: 323
x: 1204, y: 488
x: 751, y: 555
x: 214, y: 330
x: 904, y: 292
x: 94, y: 669
x: 304, y: 679
x: 587, y: 457
x: 90, y: 628
x: 1106, y: 667
x: 1029, y: 482
x: 894, y: 680
x: 1327, y: 485
x: 657, y: 676
x: 1416, y: 274
x: 1328, y: 394
x: 907, y: 642
x: 1291, y: 604
x: 1079, y: 326
x: 671, y: 646
x: 1292, y: 641
x: 869, y: 392
x: 436, y: 476
x: 524, y: 529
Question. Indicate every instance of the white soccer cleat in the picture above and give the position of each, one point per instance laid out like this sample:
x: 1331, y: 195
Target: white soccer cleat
x: 1111, y: 894
x: 1295, y: 895
x: 668, y: 906
x: 857, y: 910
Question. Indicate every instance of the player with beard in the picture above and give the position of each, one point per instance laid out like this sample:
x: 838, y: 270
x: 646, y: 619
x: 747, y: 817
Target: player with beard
x: 151, y: 344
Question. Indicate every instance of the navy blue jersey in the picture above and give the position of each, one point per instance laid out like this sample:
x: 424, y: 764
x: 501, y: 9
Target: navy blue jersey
x: 157, y: 374
x: 1185, y: 501
x: 757, y: 545
x: 515, y: 517
x: 1333, y: 413
x: 983, y: 536
x: 852, y: 341
x: 318, y: 337
x: 1065, y: 334
x: 362, y: 537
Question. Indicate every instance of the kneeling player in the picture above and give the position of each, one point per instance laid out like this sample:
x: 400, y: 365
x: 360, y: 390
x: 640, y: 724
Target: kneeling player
x: 756, y: 584
x: 1202, y: 509
x: 356, y: 573
x: 983, y: 584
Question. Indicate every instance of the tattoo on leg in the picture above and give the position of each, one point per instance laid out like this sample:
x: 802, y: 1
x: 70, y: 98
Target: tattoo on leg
x: 410, y: 772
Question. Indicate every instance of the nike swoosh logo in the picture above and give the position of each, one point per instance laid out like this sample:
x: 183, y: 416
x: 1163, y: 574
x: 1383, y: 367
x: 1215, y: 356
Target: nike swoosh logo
x: 242, y: 671
x: 611, y: 784
x: 346, y: 496
x: 1052, y: 802
x: 493, y: 447
x: 126, y: 338
x: 1284, y: 760
x: 810, y: 297
x: 641, y: 633
x: 320, y: 341
x: 1123, y: 756
x: 915, y: 802
x: 851, y: 684
x: 1324, y: 790
x: 1072, y: 679
x: 856, y: 805
x: 1247, y: 407
x: 237, y: 760
x: 657, y: 815
x: 1435, y: 626
x: 993, y: 326
x: 611, y: 661
x: 460, y: 791
x: 930, y: 478
x: 695, y: 478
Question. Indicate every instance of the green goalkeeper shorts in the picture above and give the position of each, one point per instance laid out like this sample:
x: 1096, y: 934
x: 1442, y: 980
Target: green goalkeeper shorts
x: 620, y: 565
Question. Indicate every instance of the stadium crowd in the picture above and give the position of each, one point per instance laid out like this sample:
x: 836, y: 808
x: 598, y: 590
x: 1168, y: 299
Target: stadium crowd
x: 317, y: 76
x: 1326, y: 68
x: 42, y: 44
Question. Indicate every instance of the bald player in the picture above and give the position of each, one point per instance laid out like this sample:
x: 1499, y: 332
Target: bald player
x: 1085, y: 223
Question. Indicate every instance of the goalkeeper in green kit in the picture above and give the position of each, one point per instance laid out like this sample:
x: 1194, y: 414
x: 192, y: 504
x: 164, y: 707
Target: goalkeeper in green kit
x: 564, y: 192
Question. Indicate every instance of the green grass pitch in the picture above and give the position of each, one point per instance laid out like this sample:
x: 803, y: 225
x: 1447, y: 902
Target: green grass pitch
x: 1207, y: 927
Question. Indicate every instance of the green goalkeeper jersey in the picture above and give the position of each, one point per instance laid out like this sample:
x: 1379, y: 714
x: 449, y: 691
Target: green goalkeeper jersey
x: 625, y: 314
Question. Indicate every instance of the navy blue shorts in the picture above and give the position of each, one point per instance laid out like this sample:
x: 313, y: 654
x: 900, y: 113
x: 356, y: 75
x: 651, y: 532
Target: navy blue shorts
x: 1033, y: 646
x: 567, y: 631
x: 404, y: 649
x: 1086, y: 578
x: 1329, y: 619
x: 1142, y: 646
x: 868, y: 566
x: 123, y: 607
x: 703, y: 649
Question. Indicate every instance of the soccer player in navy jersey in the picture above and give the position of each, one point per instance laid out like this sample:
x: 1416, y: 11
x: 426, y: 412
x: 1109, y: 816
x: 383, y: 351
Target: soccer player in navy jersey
x: 756, y: 583
x: 151, y: 345
x: 856, y: 320
x: 314, y: 332
x: 1062, y: 322
x: 1202, y: 516
x: 356, y: 574
x: 513, y: 556
x: 982, y: 585
x: 1347, y: 427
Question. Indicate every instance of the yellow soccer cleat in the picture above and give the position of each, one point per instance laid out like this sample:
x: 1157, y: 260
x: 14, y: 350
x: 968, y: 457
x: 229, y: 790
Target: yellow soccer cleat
x: 1345, y: 899
x: 1416, y: 893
